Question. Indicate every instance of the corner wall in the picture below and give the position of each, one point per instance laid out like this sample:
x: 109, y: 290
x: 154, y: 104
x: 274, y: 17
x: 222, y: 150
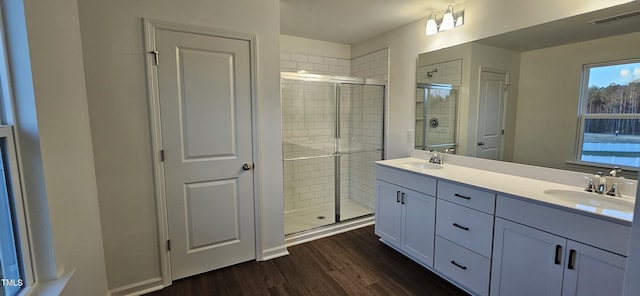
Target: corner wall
x: 65, y: 141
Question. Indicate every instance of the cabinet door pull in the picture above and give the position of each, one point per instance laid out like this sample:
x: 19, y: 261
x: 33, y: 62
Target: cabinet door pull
x: 558, y: 254
x: 461, y: 227
x: 402, y: 198
x: 571, y: 264
x: 458, y: 265
x: 462, y: 196
x: 397, y: 196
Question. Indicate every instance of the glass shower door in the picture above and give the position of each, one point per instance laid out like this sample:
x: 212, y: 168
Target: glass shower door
x: 361, y: 141
x: 309, y: 145
x: 436, y: 117
x: 332, y: 130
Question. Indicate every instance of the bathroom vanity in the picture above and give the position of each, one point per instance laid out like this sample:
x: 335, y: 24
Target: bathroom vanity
x: 496, y: 232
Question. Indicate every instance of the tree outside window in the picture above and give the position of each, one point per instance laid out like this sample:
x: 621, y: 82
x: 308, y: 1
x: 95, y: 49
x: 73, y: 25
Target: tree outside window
x: 610, y: 116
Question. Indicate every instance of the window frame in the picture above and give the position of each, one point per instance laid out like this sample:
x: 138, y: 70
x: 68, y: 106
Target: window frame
x: 583, y: 116
x: 14, y: 190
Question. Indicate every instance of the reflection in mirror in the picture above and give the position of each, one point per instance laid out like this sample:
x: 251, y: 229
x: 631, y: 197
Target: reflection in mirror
x: 542, y: 68
x: 436, y: 117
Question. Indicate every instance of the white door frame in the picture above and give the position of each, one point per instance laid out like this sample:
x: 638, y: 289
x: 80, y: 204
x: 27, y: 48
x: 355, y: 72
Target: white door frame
x: 150, y: 27
x: 504, y: 111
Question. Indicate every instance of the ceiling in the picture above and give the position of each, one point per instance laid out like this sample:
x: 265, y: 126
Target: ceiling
x: 352, y: 21
x: 573, y: 29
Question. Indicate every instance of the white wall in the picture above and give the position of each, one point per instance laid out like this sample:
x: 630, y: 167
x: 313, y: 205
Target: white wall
x: 112, y: 40
x: 549, y: 92
x: 65, y: 141
x: 482, y: 19
x: 314, y: 47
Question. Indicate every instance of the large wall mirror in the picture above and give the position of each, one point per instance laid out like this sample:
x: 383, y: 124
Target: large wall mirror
x: 518, y: 94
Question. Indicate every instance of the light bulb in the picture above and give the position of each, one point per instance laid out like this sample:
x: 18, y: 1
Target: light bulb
x: 447, y: 20
x: 432, y: 27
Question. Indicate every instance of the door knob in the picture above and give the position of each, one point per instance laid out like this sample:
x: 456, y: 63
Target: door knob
x: 480, y: 143
x: 247, y: 166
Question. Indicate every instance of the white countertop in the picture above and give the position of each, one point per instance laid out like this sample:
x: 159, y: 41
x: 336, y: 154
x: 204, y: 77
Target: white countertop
x: 518, y: 187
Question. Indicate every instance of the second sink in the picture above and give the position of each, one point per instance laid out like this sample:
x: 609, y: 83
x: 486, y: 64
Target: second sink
x: 591, y: 199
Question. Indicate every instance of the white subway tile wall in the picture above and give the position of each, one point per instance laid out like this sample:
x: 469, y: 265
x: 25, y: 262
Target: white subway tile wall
x: 308, y: 122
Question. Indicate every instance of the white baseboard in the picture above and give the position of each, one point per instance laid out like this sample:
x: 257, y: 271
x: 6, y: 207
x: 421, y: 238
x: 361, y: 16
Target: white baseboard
x: 272, y: 253
x: 138, y: 288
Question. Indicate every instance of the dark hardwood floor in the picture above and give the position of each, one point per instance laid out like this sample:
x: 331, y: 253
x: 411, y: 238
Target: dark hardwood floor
x: 351, y: 263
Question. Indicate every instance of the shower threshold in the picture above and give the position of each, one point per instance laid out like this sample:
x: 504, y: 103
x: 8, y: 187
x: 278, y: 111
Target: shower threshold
x: 328, y: 230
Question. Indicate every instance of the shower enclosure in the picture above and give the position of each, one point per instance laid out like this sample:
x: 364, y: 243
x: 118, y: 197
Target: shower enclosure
x: 332, y: 132
x: 436, y: 117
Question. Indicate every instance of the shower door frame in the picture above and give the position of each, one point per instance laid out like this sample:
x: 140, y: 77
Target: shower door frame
x: 337, y: 82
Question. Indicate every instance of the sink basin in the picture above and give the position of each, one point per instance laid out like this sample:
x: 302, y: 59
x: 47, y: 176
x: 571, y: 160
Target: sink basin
x: 591, y: 199
x: 422, y: 165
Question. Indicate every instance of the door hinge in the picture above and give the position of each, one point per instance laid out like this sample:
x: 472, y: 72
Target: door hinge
x: 502, y: 132
x: 156, y: 55
x: 168, y: 245
x: 162, y: 155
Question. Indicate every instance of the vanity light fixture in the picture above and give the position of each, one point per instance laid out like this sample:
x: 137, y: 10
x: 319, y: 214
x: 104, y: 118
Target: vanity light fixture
x: 449, y: 21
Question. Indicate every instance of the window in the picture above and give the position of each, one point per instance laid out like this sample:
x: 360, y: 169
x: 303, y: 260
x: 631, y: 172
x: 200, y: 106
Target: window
x: 12, y: 232
x: 610, y: 114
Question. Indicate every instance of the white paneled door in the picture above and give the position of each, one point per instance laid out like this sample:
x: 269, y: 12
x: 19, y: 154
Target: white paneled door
x: 204, y: 85
x: 491, y: 104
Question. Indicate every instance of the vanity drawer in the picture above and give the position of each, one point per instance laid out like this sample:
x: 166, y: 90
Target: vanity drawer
x: 413, y: 181
x: 467, y: 196
x: 463, y: 266
x: 464, y: 226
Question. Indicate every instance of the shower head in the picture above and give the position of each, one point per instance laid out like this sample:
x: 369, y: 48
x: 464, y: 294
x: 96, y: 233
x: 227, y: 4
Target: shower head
x: 430, y: 74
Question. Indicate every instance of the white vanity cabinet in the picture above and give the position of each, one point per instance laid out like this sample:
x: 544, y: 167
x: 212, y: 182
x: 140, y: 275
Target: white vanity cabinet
x: 464, y: 235
x: 530, y: 261
x: 489, y: 239
x: 405, y: 217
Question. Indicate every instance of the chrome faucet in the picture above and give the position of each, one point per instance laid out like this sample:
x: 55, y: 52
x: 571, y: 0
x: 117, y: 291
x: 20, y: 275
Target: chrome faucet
x: 603, y: 184
x: 600, y: 182
x: 434, y: 157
